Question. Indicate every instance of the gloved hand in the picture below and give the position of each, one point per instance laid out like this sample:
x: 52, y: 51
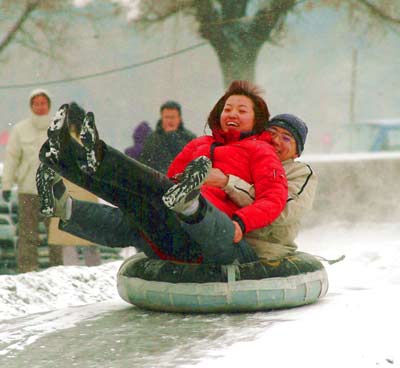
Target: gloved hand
x: 6, y: 194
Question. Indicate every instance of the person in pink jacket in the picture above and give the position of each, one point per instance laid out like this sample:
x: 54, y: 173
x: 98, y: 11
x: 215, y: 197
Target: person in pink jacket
x: 176, y: 221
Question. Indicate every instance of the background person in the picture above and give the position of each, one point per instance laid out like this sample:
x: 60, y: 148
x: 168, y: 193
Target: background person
x: 20, y: 166
x: 168, y: 139
x: 139, y: 136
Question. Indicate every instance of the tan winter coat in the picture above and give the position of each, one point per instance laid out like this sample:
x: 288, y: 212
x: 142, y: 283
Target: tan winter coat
x: 22, y: 153
x: 277, y: 240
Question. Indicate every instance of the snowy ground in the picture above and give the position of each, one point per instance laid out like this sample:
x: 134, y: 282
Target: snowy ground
x: 355, y: 325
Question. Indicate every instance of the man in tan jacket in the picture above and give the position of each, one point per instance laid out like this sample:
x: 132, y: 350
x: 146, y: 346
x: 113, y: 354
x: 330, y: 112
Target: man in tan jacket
x: 21, y: 163
x: 277, y: 240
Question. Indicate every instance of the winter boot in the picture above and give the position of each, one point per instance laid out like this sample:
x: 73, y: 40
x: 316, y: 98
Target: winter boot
x: 52, y: 193
x: 55, y: 132
x: 183, y: 197
x: 89, y: 137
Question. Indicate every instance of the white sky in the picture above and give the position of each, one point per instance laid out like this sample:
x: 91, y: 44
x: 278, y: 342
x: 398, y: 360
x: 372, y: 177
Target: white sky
x: 132, y: 6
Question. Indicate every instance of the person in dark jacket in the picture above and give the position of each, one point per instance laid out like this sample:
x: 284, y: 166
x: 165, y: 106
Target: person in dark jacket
x: 168, y: 139
x: 175, y: 220
x: 139, y: 136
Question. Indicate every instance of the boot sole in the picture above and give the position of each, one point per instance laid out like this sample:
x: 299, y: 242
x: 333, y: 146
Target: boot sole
x: 53, y: 133
x: 193, y: 178
x: 88, y: 138
x: 44, y: 184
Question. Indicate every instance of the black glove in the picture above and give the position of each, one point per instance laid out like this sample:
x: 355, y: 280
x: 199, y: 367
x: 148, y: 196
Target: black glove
x: 6, y: 194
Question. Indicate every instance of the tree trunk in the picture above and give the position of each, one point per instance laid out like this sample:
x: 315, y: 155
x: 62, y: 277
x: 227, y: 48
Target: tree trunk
x: 238, y: 64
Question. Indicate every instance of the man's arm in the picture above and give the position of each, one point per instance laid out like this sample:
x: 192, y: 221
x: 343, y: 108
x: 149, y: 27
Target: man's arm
x: 239, y: 191
x: 302, y: 183
x: 302, y: 188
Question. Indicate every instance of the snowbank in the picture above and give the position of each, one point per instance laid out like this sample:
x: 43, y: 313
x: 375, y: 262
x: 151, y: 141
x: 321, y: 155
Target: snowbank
x: 56, y: 287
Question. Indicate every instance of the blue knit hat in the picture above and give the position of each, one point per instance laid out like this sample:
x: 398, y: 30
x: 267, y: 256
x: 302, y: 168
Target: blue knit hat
x: 297, y: 128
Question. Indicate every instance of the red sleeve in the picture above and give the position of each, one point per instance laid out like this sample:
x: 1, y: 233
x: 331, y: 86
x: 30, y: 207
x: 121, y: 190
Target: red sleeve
x: 271, y: 191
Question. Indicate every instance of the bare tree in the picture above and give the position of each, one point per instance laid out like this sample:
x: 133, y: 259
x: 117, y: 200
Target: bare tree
x: 18, y: 24
x: 237, y: 29
x: 42, y: 26
x: 27, y: 23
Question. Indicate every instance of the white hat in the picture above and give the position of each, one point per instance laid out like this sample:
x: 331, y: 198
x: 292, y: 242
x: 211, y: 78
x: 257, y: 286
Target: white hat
x: 37, y: 92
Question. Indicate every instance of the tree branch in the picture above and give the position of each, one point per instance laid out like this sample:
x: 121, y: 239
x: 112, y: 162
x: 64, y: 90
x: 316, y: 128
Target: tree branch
x: 30, y: 7
x: 35, y: 49
x: 208, y: 18
x: 154, y: 12
x: 376, y: 11
x: 271, y: 19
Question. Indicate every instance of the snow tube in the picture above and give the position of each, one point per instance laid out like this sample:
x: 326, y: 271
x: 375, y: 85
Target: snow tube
x: 159, y: 285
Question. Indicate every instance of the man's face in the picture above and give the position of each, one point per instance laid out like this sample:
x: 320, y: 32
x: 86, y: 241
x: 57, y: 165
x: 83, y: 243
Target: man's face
x: 170, y: 120
x: 283, y: 142
x: 40, y: 105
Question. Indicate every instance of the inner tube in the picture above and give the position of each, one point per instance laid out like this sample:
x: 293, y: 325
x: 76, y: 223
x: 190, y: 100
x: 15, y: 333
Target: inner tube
x: 159, y: 285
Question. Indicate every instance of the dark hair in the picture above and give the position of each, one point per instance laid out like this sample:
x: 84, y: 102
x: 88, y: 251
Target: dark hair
x: 76, y: 114
x: 172, y: 105
x: 241, y: 88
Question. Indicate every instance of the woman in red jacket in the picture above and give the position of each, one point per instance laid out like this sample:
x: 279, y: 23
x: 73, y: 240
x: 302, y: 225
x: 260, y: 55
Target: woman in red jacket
x: 189, y: 227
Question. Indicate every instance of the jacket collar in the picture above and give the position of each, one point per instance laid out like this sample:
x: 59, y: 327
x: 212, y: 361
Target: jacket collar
x: 232, y: 135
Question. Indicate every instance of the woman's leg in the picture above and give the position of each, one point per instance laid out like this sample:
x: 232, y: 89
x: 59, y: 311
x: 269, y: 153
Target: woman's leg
x: 137, y: 190
x: 138, y: 199
x: 205, y: 224
x: 66, y: 156
x: 217, y: 246
x: 134, y: 188
x: 118, y: 180
x: 148, y: 231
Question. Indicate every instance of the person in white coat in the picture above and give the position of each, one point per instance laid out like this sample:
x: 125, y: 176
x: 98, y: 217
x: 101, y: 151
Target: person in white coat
x: 20, y: 166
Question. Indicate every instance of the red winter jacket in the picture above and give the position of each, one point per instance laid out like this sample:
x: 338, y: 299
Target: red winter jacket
x: 251, y: 158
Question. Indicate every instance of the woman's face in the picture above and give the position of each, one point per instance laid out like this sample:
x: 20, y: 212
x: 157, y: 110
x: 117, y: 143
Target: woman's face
x: 40, y: 105
x: 238, y: 113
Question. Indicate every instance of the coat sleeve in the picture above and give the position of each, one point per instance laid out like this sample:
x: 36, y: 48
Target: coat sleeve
x: 271, y: 191
x: 12, y: 160
x: 301, y: 192
x: 302, y: 189
x: 240, y: 191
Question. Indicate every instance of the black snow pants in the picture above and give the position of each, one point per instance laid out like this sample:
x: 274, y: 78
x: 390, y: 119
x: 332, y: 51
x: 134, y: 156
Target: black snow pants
x: 141, y: 218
